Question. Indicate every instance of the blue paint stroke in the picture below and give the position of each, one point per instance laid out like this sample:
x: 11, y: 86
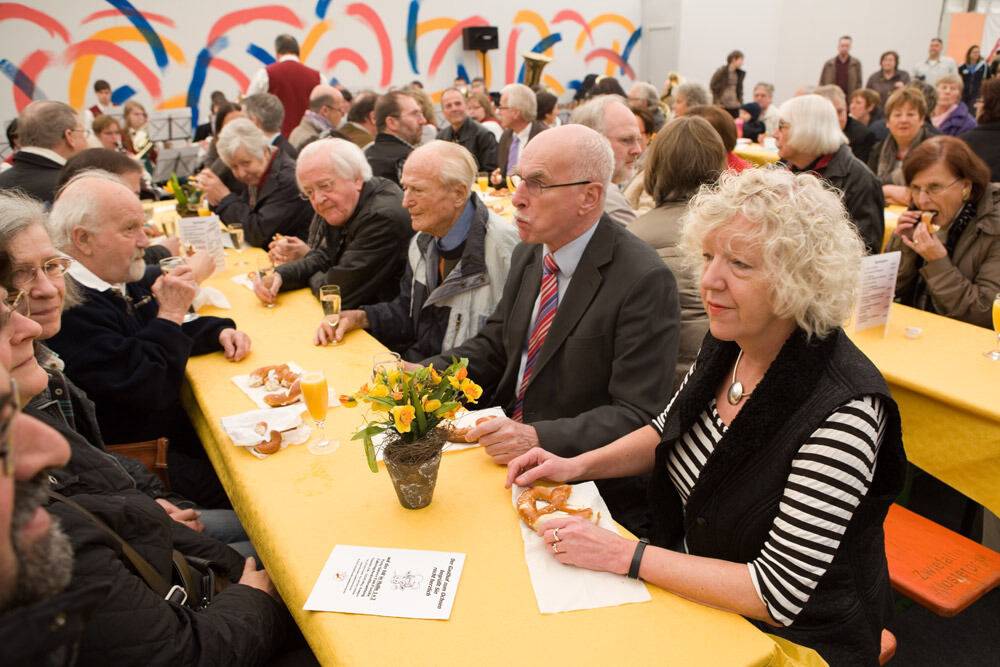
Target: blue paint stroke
x: 462, y: 73
x: 411, y: 35
x: 260, y: 54
x: 201, y: 64
x: 543, y: 45
x: 144, y: 28
x: 574, y: 84
x: 629, y: 46
x: 321, y: 7
x: 122, y: 94
x: 21, y: 80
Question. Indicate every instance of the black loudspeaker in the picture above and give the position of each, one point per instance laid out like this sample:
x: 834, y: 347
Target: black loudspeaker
x: 479, y: 38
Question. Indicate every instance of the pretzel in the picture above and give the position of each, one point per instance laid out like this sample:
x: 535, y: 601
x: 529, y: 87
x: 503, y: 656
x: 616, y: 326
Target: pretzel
x: 556, y: 497
x: 273, y: 378
x: 458, y: 434
x: 926, y: 218
x: 278, y: 399
x: 267, y: 446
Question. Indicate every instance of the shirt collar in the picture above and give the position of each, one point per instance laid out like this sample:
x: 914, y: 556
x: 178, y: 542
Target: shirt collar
x: 288, y: 56
x: 88, y: 278
x: 523, y: 136
x: 45, y: 152
x: 459, y: 231
x: 568, y: 256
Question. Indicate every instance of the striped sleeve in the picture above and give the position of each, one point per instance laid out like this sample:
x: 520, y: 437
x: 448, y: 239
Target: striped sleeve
x: 829, y: 476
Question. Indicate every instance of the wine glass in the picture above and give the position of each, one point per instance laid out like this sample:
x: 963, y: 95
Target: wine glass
x: 239, y: 241
x: 994, y: 354
x: 329, y: 297
x: 168, y: 264
x: 383, y: 362
x: 265, y: 271
x: 317, y: 398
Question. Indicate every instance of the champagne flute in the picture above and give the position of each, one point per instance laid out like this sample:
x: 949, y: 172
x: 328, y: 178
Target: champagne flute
x: 265, y: 271
x: 317, y: 398
x: 994, y: 354
x: 329, y: 298
x: 239, y: 241
x: 483, y: 181
x: 168, y: 264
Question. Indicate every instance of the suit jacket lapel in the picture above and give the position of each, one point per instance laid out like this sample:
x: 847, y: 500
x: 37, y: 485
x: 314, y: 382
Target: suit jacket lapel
x: 524, y: 305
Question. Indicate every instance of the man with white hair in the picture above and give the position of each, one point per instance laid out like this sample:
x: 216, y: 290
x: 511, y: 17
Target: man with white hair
x: 457, y: 262
x: 266, y: 112
x: 359, y: 236
x: 326, y: 111
x: 517, y: 111
x: 645, y: 94
x: 50, y: 133
x: 608, y: 115
x: 127, y: 344
x: 581, y: 348
x: 271, y: 205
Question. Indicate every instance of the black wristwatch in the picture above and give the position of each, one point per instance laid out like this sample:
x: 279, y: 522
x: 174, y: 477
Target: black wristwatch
x: 633, y: 570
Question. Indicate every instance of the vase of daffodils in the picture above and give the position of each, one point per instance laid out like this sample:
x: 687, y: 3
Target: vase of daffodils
x: 410, y: 411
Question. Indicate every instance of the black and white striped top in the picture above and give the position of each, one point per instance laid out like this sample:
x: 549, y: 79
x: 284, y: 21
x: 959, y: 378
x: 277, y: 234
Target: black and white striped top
x: 830, y: 474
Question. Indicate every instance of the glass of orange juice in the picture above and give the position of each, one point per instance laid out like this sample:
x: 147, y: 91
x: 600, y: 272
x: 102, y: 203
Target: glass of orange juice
x: 994, y: 354
x: 483, y: 181
x: 316, y: 396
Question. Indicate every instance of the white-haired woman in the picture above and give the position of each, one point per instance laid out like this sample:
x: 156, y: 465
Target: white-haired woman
x: 774, y: 465
x: 271, y: 205
x: 810, y: 140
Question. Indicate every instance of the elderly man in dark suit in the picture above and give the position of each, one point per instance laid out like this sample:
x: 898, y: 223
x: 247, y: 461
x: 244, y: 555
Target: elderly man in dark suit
x: 518, y: 110
x: 50, y: 133
x: 582, y: 346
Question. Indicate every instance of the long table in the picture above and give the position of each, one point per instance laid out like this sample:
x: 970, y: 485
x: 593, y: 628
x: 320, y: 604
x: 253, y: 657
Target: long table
x: 948, y: 395
x: 297, y: 506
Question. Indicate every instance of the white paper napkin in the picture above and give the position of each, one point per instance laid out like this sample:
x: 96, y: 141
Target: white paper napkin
x: 210, y: 296
x: 257, y: 394
x: 243, y: 279
x: 463, y: 420
x: 287, y: 419
x: 561, y: 587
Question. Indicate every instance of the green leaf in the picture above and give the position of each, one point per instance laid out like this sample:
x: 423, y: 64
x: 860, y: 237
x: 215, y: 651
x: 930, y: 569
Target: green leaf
x: 370, y: 454
x: 369, y: 431
x: 445, y: 408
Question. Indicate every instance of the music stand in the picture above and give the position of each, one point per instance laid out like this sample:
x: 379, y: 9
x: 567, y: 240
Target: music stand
x: 181, y: 161
x: 169, y: 125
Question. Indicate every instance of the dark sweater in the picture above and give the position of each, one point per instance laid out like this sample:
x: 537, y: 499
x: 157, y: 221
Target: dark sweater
x: 984, y: 141
x: 34, y: 174
x: 386, y: 156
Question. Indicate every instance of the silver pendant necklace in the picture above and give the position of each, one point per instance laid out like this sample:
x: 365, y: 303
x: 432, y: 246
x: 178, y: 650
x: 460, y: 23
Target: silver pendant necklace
x: 735, y: 393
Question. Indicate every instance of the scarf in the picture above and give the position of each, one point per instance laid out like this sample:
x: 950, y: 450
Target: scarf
x: 890, y: 169
x: 318, y: 121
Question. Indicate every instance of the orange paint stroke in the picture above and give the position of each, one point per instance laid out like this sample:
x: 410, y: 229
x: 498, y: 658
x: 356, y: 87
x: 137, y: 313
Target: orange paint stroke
x: 108, y: 13
x: 570, y: 15
x: 241, y: 79
x: 601, y: 20
x: 337, y: 55
x: 512, y: 55
x: 430, y: 25
x: 31, y: 67
x: 13, y: 10
x: 450, y: 38
x: 315, y: 33
x: 554, y: 84
x: 609, y: 69
x: 93, y: 47
x: 370, y: 18
x: 175, y: 102
x: 240, y: 17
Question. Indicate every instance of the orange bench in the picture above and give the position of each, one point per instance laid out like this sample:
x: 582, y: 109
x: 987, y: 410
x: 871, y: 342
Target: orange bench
x: 934, y: 566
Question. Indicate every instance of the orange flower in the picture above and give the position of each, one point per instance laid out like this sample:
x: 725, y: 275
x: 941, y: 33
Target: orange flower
x: 403, y: 415
x: 397, y: 395
x: 471, y: 390
x: 462, y: 373
x: 348, y: 400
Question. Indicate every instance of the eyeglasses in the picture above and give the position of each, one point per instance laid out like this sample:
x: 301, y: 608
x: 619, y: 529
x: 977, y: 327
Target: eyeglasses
x: 629, y: 141
x: 16, y: 303
x: 932, y: 190
x: 533, y: 187
x: 415, y: 113
x: 326, y: 187
x: 10, y: 407
x: 86, y: 132
x: 23, y: 275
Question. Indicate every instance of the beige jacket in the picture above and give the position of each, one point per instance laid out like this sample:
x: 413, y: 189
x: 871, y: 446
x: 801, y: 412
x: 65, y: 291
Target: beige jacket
x: 963, y: 285
x: 661, y: 229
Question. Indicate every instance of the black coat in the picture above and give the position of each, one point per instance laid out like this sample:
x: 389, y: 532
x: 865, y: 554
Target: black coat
x: 860, y: 138
x: 364, y: 256
x: 34, y: 174
x: 386, y: 156
x: 862, y: 196
x: 476, y: 139
x: 984, y: 141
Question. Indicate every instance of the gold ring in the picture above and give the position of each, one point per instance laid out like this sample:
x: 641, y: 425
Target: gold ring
x: 555, y: 548
x: 555, y: 534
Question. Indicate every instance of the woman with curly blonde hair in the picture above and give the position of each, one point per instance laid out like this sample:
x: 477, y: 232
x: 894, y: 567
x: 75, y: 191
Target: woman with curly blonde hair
x: 774, y: 464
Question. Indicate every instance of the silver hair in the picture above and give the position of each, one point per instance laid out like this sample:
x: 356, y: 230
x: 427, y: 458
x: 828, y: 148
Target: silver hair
x: 455, y: 164
x: 44, y: 123
x: 76, y: 207
x: 591, y: 113
x: 648, y: 92
x: 523, y: 99
x: 766, y: 86
x: 348, y: 161
x: 242, y: 132
x: 813, y: 125
x: 267, y: 109
x: 17, y: 212
x: 694, y: 93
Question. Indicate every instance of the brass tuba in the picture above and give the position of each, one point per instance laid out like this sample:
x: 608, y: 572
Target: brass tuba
x: 534, y: 63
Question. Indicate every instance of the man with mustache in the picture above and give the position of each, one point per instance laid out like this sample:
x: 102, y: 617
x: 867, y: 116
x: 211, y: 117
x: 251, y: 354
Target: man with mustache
x: 126, y: 344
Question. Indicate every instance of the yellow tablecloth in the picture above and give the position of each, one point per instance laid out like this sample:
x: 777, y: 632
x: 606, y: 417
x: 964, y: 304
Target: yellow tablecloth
x: 297, y: 506
x: 892, y: 212
x: 756, y: 154
x: 948, y: 395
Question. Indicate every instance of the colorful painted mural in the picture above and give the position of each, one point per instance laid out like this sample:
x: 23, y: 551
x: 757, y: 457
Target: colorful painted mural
x: 175, y: 57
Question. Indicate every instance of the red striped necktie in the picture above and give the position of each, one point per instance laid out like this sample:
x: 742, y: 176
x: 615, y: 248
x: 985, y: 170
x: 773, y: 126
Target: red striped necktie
x: 548, y: 302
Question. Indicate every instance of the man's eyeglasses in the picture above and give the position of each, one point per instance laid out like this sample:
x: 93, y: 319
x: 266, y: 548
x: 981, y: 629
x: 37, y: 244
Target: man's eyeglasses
x: 23, y: 275
x: 86, y: 132
x: 14, y: 303
x: 533, y: 187
x: 326, y: 187
x: 10, y: 406
x: 932, y: 190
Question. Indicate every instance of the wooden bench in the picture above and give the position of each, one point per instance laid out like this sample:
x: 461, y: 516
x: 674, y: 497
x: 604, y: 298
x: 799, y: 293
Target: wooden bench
x: 934, y: 566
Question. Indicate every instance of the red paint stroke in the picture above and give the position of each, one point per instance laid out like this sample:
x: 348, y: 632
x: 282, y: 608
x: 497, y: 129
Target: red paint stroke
x: 244, y: 16
x: 31, y: 67
x: 338, y: 55
x: 94, y: 47
x: 570, y: 15
x: 13, y: 10
x: 242, y: 80
x: 367, y: 15
x: 449, y: 39
x: 512, y: 55
x: 107, y: 13
x: 613, y: 57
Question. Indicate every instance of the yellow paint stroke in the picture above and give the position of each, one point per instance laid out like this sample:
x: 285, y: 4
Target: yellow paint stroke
x: 430, y: 25
x: 601, y: 20
x: 536, y: 21
x: 315, y: 33
x: 436, y: 96
x: 83, y: 66
x: 609, y: 70
x: 175, y: 102
x: 487, y: 73
x: 554, y: 84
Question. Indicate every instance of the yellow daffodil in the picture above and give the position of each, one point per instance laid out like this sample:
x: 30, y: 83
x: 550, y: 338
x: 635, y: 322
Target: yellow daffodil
x: 471, y: 390
x: 403, y: 415
x: 379, y: 391
x: 435, y: 376
x: 431, y: 405
x: 393, y: 376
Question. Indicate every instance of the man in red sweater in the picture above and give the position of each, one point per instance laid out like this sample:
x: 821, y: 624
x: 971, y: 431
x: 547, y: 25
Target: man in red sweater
x: 287, y: 78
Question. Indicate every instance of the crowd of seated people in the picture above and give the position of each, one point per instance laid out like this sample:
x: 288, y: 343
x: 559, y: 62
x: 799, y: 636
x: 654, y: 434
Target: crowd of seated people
x: 687, y: 277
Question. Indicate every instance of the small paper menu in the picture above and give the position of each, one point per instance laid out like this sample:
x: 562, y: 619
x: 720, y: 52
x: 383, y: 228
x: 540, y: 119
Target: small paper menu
x: 876, y: 289
x: 203, y: 233
x: 387, y: 582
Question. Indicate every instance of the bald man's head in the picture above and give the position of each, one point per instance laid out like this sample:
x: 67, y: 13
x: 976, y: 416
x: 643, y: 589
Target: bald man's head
x: 328, y: 102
